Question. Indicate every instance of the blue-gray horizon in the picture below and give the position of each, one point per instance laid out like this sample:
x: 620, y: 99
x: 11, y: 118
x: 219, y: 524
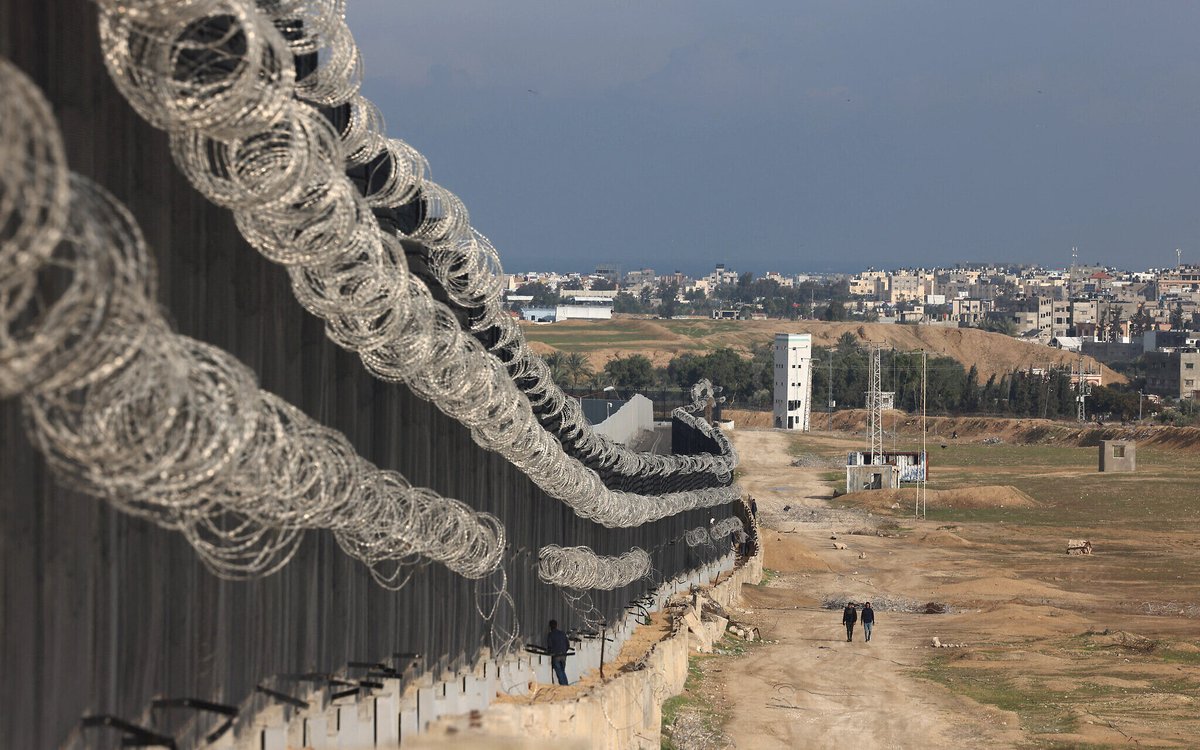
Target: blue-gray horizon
x: 823, y: 137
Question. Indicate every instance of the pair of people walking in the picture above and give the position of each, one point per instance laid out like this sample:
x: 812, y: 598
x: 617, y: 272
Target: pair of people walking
x: 850, y: 616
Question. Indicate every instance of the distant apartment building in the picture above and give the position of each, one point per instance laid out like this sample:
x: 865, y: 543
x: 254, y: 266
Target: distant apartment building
x: 1179, y: 282
x: 721, y: 276
x: 1175, y: 374
x: 1025, y: 323
x: 903, y: 287
x: 1084, y: 311
x: 639, y: 277
x: 793, y: 380
x: 970, y: 311
x: 1060, y: 319
x: 869, y: 284
x: 1170, y: 341
x: 610, y: 271
x: 784, y: 281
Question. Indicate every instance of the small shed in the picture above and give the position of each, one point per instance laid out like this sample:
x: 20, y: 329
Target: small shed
x: 1118, y: 455
x: 872, y: 477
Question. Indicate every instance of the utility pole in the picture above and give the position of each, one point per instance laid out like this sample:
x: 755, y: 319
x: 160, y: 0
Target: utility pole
x: 922, y: 490
x: 829, y: 401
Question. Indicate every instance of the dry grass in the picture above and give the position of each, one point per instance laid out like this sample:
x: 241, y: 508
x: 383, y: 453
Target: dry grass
x: 660, y: 340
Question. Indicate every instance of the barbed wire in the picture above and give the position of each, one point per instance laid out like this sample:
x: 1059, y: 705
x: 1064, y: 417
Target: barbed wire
x: 281, y: 167
x: 177, y: 431
x: 581, y: 568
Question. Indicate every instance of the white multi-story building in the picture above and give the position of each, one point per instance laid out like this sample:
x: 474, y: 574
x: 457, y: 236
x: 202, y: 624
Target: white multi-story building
x: 793, y: 380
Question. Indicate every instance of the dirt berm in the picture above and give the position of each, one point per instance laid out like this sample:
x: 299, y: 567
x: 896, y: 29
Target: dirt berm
x: 977, y: 429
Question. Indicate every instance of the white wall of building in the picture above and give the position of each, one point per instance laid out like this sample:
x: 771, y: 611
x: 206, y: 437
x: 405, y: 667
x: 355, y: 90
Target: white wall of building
x: 584, y: 312
x: 793, y: 380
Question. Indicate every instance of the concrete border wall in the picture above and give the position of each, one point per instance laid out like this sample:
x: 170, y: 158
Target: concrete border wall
x: 625, y: 712
x: 633, y: 418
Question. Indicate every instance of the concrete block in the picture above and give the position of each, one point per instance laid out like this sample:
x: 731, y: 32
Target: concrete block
x: 1118, y: 455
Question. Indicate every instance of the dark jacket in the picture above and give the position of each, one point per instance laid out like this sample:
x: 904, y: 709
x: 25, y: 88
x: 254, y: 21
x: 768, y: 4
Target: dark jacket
x: 849, y: 615
x: 868, y: 615
x: 557, y: 643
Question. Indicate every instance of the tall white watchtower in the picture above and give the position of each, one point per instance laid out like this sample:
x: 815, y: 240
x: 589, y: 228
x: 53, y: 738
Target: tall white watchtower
x: 793, y: 380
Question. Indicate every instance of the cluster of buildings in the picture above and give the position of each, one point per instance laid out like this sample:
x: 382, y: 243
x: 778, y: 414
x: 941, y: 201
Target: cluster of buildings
x: 1110, y: 314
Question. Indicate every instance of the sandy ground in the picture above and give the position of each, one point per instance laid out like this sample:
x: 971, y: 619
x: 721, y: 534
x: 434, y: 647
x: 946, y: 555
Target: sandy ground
x: 1022, y: 615
x: 808, y: 687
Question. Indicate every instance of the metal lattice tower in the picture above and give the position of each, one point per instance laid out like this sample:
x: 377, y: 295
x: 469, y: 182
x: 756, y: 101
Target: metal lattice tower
x: 1083, y: 389
x: 875, y: 404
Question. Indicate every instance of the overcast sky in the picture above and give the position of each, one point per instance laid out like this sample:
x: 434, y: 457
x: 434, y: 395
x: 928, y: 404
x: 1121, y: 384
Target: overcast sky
x: 802, y: 135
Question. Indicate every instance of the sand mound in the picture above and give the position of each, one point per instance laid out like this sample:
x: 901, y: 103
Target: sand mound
x: 764, y: 597
x: 992, y: 353
x: 788, y: 554
x: 1124, y: 639
x: 993, y: 587
x: 943, y: 539
x: 985, y: 496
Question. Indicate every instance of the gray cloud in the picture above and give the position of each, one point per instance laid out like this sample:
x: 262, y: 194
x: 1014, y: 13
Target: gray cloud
x: 791, y: 136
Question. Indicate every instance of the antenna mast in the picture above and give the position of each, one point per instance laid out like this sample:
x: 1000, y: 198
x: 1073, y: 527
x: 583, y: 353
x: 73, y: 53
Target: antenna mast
x: 1083, y: 389
x: 1074, y: 262
x: 875, y: 404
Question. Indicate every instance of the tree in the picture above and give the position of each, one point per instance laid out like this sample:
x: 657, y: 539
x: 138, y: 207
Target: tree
x: 1140, y: 322
x: 577, y: 369
x: 1113, y: 326
x: 668, y: 293
x: 1177, y: 316
x: 556, y: 361
x: 971, y: 394
x: 543, y: 296
x: 624, y: 302
x: 631, y: 373
x: 835, y: 311
x: 999, y: 324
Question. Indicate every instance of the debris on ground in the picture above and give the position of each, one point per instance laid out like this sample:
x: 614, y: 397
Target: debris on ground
x: 1079, y: 547
x: 743, y: 631
x: 887, y: 603
x: 812, y: 461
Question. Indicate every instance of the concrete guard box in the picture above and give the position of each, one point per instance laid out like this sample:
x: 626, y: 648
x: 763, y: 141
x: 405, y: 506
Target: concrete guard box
x: 872, y: 477
x: 1118, y: 455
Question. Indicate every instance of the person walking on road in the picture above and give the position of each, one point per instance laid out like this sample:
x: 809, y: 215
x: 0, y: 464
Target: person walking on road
x: 849, y: 617
x: 868, y: 620
x: 557, y: 645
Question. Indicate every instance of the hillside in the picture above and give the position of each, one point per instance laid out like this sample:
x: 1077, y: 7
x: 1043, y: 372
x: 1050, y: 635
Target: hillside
x: 660, y: 340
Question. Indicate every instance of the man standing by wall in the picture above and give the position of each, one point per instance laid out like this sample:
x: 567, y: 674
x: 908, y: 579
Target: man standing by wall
x: 557, y: 646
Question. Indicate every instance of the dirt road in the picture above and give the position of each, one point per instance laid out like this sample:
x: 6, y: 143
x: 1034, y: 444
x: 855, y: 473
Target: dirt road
x: 808, y: 687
